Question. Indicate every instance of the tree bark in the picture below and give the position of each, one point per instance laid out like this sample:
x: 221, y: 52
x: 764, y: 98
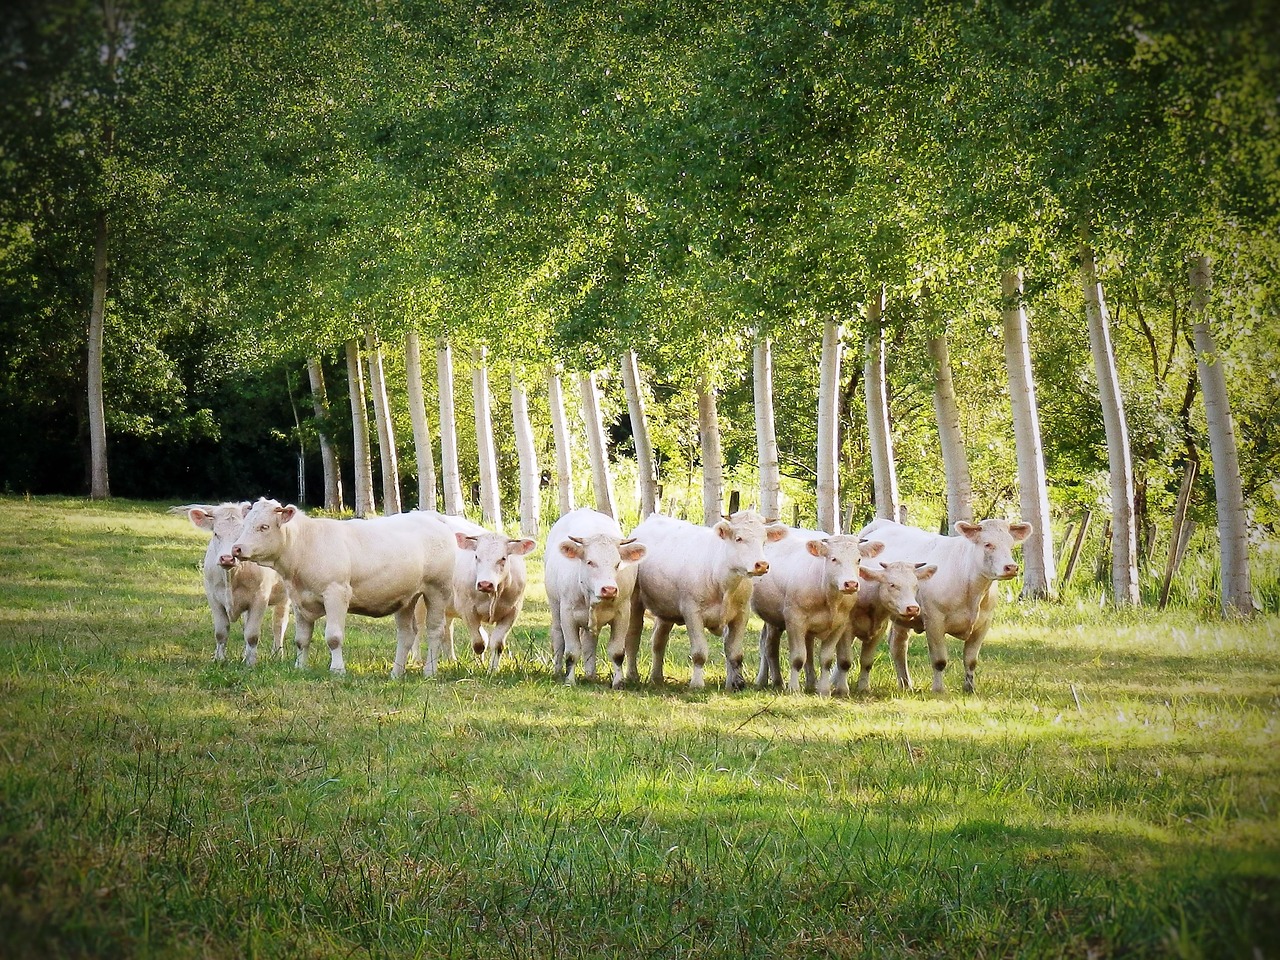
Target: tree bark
x: 884, y: 472
x: 1124, y: 553
x: 530, y: 474
x: 601, y: 479
x: 362, y: 465
x: 560, y: 434
x: 328, y: 455
x: 422, y: 449
x: 766, y: 432
x: 452, y: 481
x: 828, y: 453
x: 1233, y: 531
x: 1039, y: 569
x: 712, y: 462
x: 490, y: 506
x: 99, y: 484
x: 640, y: 434
x: 955, y: 461
x: 386, y: 430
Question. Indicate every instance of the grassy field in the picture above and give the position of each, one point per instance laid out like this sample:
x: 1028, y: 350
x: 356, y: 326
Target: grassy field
x: 1110, y: 791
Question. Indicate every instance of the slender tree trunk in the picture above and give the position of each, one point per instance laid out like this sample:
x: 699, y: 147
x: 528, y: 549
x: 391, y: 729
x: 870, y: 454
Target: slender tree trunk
x: 362, y: 465
x: 1124, y: 552
x: 530, y: 474
x: 490, y: 506
x: 955, y: 461
x: 99, y: 485
x: 712, y: 462
x: 386, y: 430
x: 828, y: 453
x: 328, y: 455
x: 640, y: 433
x: 884, y: 472
x: 422, y: 450
x: 766, y: 434
x: 560, y: 434
x: 601, y: 478
x: 1039, y: 568
x: 1233, y: 532
x: 453, y: 503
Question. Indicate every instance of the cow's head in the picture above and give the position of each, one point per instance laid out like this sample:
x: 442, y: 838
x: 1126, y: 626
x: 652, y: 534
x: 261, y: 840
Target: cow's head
x: 491, y: 552
x: 897, y: 582
x: 224, y: 522
x: 842, y: 555
x: 597, y: 560
x: 996, y: 539
x: 262, y: 538
x: 745, y: 534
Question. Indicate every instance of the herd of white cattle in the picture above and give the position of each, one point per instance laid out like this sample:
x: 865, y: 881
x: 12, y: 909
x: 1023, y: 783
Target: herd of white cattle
x: 428, y: 569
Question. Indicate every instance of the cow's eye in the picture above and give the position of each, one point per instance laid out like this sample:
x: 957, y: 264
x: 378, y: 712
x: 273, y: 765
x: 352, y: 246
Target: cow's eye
x: 263, y: 528
x: 991, y: 546
x: 739, y: 539
x: 592, y: 563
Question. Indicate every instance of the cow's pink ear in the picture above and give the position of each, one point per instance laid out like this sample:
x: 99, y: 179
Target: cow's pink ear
x: 201, y: 517
x: 817, y: 548
x: 632, y: 552
x: 465, y: 542
x: 870, y: 548
x: 287, y: 513
x: 925, y: 570
x: 872, y: 573
x: 723, y: 529
x: 245, y: 507
x: 776, y: 532
x: 520, y: 547
x: 1020, y: 531
x: 970, y: 530
x: 571, y: 549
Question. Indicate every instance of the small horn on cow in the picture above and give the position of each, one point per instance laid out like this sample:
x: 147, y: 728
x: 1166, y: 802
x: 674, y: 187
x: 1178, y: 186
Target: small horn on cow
x: 772, y: 520
x: 922, y: 564
x: 579, y: 541
x: 623, y: 543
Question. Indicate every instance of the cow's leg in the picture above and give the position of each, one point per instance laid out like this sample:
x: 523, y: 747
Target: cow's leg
x: 573, y: 631
x: 557, y: 639
x: 221, y: 628
x: 661, y: 634
x: 866, y: 660
x: 631, y: 636
x: 406, y: 637
x: 844, y: 661
x: 798, y: 644
x: 335, y: 629
x: 435, y: 603
x: 770, y: 673
x: 810, y: 677
x: 303, y: 626
x: 898, y: 637
x: 479, y: 638
x: 496, y: 642
x: 971, y: 648
x: 698, y: 650
x: 619, y: 627
x: 279, y: 622
x: 936, y: 634
x: 590, y: 641
x: 734, y: 631
x: 252, y: 631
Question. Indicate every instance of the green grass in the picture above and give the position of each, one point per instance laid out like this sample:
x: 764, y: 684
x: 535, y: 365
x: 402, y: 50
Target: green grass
x: 1110, y: 791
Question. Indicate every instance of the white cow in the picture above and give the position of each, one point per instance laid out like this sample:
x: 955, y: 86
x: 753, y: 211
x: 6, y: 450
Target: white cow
x: 236, y: 588
x: 700, y: 577
x: 590, y: 576
x: 960, y: 598
x: 887, y: 596
x: 810, y: 592
x: 377, y: 568
x: 488, y: 586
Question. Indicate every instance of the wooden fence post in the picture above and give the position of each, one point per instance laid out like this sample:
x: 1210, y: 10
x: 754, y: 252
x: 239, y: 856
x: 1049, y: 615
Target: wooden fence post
x: 1177, y: 530
x: 1075, y: 548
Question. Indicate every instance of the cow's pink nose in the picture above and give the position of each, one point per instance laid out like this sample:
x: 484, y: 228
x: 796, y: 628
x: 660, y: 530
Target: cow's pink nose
x: 227, y: 560
x: 1010, y: 569
x: 608, y: 592
x: 236, y: 551
x: 762, y: 566
x: 912, y: 611
x: 849, y: 586
x: 485, y: 586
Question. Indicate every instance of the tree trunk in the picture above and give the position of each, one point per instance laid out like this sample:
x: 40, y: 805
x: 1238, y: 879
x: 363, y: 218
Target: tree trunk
x: 601, y: 479
x: 448, y: 430
x: 1039, y: 569
x: 766, y: 434
x: 530, y: 474
x: 99, y: 485
x: 828, y: 453
x: 1233, y: 533
x: 490, y: 507
x: 955, y: 461
x: 1124, y: 553
x: 560, y: 433
x: 422, y: 450
x: 712, y: 462
x: 884, y: 472
x: 386, y: 430
x: 362, y: 465
x: 640, y: 434
x: 328, y: 455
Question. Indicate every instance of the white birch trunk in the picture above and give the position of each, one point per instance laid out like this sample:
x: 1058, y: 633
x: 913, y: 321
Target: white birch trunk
x: 361, y: 464
x: 1039, y: 571
x: 530, y: 474
x: 560, y: 435
x: 828, y: 452
x: 328, y: 455
x: 99, y: 483
x: 640, y: 433
x: 452, y: 482
x: 601, y: 478
x: 490, y: 507
x: 1233, y: 531
x: 712, y: 461
x: 955, y: 461
x: 422, y: 449
x: 386, y: 430
x: 766, y: 434
x: 1124, y: 544
x: 884, y: 472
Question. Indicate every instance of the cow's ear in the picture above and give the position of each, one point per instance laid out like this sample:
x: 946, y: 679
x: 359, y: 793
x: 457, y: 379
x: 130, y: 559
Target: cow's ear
x: 872, y: 573
x: 465, y: 542
x: 925, y: 570
x: 818, y: 548
x: 521, y: 547
x: 572, y: 549
x: 245, y: 507
x: 202, y: 517
x: 723, y: 529
x: 870, y: 548
x: 287, y: 513
x: 776, y: 532
x: 632, y: 552
x: 970, y: 530
x: 1020, y: 531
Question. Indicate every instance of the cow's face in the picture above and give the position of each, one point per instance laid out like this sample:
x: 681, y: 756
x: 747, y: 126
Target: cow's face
x: 898, y: 582
x: 224, y: 522
x: 841, y: 556
x: 597, y: 560
x: 492, y: 553
x: 262, y: 536
x: 744, y: 535
x: 996, y: 538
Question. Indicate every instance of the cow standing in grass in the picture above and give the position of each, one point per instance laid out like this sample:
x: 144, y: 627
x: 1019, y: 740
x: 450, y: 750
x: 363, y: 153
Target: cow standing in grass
x: 960, y: 598
x: 236, y: 588
x: 888, y: 595
x: 378, y: 567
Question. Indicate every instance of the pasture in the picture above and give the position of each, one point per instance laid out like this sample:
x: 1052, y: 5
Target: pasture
x: 1111, y: 789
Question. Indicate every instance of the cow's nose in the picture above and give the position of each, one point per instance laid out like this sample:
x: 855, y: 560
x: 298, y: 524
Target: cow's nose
x: 849, y: 586
x: 912, y: 611
x: 227, y: 560
x: 1010, y: 569
x: 485, y: 586
x: 608, y: 592
x: 761, y: 567
x: 237, y: 552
